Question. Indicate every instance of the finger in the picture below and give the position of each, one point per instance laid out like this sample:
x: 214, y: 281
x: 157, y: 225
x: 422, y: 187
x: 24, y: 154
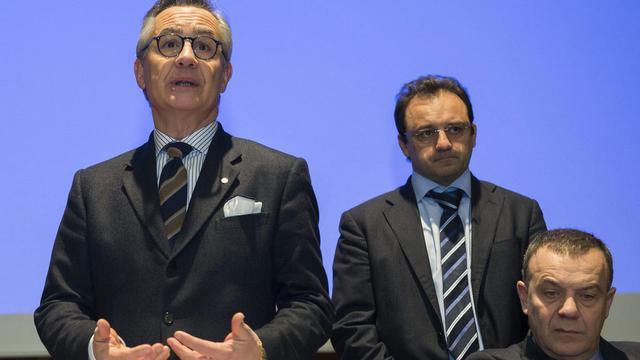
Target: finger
x: 137, y: 352
x: 238, y: 326
x: 102, y: 332
x: 204, y: 347
x: 240, y: 330
x: 182, y: 351
x: 160, y: 352
x: 228, y: 337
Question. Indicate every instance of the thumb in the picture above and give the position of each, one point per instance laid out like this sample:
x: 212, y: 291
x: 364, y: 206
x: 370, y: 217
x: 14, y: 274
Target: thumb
x: 103, y: 330
x: 238, y: 327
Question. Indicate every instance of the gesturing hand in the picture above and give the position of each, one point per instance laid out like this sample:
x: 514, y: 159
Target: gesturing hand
x: 107, y: 345
x: 242, y: 343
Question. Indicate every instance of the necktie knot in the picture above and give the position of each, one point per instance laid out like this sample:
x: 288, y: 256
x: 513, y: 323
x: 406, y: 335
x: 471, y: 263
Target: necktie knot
x: 178, y: 149
x: 447, y: 199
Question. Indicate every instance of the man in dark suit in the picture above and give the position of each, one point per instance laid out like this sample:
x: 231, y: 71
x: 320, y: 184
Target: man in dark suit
x: 427, y: 271
x: 566, y: 293
x: 175, y: 242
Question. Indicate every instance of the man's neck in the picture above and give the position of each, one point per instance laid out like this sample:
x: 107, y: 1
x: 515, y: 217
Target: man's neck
x: 590, y: 355
x: 180, y: 124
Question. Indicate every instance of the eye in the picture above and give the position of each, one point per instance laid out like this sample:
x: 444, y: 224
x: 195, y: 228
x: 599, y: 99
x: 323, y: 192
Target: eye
x: 201, y: 46
x: 455, y: 129
x: 426, y: 133
x: 550, y: 294
x: 169, y: 43
x: 587, y: 297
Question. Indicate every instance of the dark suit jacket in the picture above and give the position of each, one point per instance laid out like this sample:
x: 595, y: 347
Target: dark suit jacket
x: 111, y: 258
x: 528, y: 350
x: 385, y: 300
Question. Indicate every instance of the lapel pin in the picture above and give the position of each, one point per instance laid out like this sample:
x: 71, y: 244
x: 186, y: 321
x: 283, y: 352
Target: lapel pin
x: 224, y: 180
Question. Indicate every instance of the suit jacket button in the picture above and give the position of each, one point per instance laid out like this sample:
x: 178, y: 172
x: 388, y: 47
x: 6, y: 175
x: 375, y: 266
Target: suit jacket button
x: 167, y: 318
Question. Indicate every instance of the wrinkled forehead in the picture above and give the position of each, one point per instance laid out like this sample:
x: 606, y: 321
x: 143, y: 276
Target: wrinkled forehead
x: 186, y: 20
x: 569, y: 268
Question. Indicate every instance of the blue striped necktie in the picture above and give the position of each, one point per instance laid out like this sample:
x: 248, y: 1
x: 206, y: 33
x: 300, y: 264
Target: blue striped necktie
x: 461, y: 332
x: 173, y: 190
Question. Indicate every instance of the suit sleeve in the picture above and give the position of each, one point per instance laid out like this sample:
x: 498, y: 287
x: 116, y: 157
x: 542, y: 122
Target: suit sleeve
x: 537, y: 223
x: 64, y: 319
x: 482, y: 355
x: 354, y: 333
x: 304, y: 312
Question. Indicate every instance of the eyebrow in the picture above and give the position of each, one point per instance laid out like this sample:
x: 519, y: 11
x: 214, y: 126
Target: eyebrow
x: 590, y: 287
x: 198, y: 31
x: 552, y: 282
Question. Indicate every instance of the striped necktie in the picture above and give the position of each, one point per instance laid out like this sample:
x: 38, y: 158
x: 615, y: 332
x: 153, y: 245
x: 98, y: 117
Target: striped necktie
x: 173, y: 190
x: 461, y: 332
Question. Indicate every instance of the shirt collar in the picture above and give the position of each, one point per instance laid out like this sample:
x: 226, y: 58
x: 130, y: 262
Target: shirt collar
x: 533, y: 351
x: 422, y: 185
x: 199, y: 139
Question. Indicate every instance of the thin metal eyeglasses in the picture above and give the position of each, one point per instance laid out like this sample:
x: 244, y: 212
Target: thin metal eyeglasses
x: 170, y: 45
x: 453, y: 132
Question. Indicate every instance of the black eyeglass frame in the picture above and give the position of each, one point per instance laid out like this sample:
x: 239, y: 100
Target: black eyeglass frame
x: 419, y: 135
x: 183, y: 39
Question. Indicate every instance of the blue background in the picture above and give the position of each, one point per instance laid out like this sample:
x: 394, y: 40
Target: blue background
x: 553, y: 85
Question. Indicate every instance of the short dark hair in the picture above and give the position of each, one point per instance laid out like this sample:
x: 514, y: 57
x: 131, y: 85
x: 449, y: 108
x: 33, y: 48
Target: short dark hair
x: 161, y: 5
x: 569, y: 242
x: 428, y: 86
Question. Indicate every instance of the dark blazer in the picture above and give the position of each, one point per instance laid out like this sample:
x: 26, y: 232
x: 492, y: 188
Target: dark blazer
x: 528, y: 350
x: 386, y: 304
x: 111, y: 258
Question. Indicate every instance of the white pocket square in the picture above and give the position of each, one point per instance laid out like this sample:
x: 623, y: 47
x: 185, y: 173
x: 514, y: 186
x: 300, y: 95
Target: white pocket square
x: 240, y: 205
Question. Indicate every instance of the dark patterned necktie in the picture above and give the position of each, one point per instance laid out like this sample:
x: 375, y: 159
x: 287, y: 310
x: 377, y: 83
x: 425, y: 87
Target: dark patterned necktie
x: 173, y: 190
x: 462, y: 336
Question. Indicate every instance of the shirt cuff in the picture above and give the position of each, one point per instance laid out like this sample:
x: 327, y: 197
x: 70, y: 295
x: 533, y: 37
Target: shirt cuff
x: 90, y: 349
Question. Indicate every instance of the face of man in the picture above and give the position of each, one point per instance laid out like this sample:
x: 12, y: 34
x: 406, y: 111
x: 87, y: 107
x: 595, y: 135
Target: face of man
x: 183, y: 83
x: 567, y: 301
x: 444, y: 159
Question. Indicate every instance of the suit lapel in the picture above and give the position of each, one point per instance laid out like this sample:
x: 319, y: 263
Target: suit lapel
x: 140, y: 186
x: 485, y: 210
x: 222, y: 162
x: 404, y: 220
x: 610, y: 352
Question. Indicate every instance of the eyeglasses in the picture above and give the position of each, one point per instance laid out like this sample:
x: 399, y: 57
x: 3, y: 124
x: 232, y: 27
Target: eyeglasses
x: 454, y: 132
x: 170, y: 45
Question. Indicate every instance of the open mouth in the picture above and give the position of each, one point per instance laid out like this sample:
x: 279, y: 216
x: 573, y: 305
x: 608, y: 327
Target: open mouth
x: 185, y: 83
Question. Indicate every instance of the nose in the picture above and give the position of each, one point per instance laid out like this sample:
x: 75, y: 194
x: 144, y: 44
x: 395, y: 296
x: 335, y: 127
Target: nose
x: 569, y: 308
x: 186, y: 58
x: 442, y: 142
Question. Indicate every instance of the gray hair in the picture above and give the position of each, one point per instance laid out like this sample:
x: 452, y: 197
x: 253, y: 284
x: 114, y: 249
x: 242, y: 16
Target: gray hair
x: 148, y: 24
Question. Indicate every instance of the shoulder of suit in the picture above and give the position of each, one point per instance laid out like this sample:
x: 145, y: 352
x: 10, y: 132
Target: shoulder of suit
x: 116, y: 163
x: 501, y: 191
x: 513, y: 352
x: 628, y: 347
x: 382, y: 201
x: 251, y: 148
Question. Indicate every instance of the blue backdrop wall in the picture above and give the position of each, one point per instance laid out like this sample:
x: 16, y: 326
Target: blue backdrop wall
x: 553, y: 85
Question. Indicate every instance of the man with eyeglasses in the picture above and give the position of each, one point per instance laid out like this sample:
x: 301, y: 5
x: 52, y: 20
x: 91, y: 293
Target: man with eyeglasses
x: 197, y: 244
x: 427, y: 271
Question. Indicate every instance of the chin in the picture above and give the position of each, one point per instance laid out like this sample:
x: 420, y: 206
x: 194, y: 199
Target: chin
x: 568, y: 349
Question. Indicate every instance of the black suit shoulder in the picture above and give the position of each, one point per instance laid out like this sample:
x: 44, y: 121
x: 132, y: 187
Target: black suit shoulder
x: 383, y: 201
x: 486, y: 186
x: 513, y: 352
x: 623, y: 350
x: 616, y: 350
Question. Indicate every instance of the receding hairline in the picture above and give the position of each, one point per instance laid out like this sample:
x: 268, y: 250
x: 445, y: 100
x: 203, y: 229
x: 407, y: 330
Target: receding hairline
x: 569, y: 243
x: 222, y: 29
